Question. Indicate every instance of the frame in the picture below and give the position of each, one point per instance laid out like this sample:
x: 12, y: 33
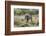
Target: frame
x: 8, y: 17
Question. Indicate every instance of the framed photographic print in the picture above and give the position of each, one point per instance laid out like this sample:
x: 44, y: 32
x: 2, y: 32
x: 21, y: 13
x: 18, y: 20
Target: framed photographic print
x: 24, y: 17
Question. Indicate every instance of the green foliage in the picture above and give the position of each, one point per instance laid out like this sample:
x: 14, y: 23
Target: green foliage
x: 24, y: 11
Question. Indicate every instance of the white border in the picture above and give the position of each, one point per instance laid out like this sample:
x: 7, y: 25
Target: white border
x: 26, y: 28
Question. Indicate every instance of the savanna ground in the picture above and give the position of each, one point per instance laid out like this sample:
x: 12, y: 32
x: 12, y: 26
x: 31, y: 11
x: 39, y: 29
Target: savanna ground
x: 26, y: 17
